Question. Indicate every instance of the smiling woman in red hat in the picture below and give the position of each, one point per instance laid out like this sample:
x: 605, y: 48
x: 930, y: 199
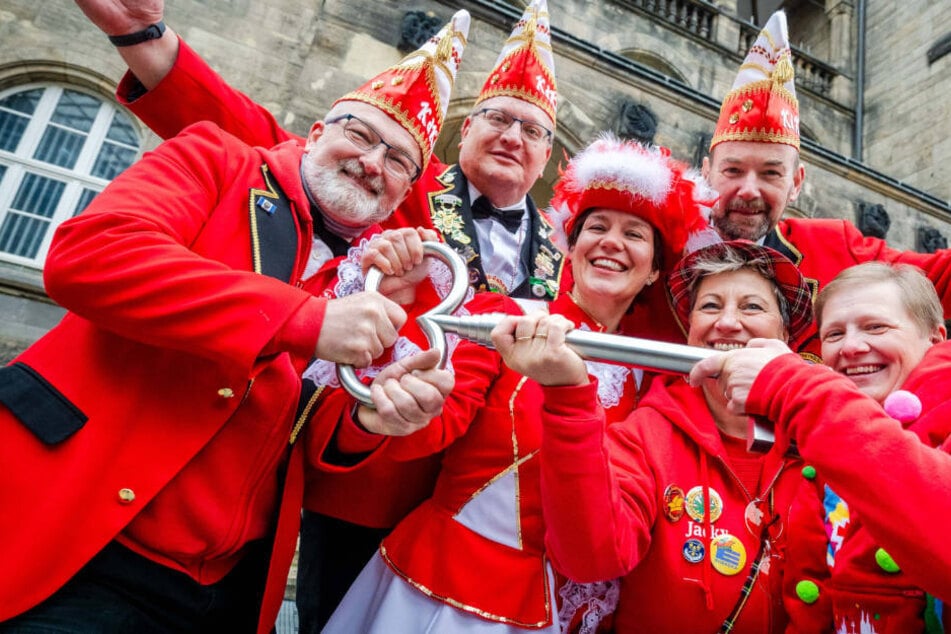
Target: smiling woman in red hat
x: 472, y: 557
x: 628, y: 499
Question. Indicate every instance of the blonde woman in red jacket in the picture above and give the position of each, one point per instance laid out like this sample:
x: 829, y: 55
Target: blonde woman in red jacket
x: 874, y: 425
x: 627, y: 499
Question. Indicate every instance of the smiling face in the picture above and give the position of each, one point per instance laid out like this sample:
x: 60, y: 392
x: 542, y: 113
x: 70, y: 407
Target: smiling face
x: 733, y: 307
x: 612, y: 259
x: 352, y: 186
x: 868, y: 335
x: 755, y: 181
x: 501, y: 164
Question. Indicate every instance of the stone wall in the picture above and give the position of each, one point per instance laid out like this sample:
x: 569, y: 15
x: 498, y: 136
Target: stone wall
x: 908, y: 100
x: 295, y: 57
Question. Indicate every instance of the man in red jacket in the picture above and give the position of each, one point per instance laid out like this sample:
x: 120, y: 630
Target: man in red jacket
x: 160, y: 416
x: 506, y: 143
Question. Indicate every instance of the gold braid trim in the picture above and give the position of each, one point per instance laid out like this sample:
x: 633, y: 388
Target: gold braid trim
x: 270, y: 192
x: 401, y: 116
x: 762, y: 86
x: 469, y: 608
x: 299, y: 424
x: 757, y: 135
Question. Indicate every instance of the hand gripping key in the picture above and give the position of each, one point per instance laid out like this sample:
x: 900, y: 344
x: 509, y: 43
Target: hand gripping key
x: 434, y: 334
x: 658, y: 356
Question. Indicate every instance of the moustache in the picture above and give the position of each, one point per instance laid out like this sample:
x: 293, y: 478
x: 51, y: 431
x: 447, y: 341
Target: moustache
x: 758, y: 205
x: 354, y: 169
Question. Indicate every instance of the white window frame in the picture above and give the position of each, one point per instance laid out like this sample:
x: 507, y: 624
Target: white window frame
x: 19, y: 162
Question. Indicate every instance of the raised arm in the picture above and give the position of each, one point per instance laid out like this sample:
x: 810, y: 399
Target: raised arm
x: 848, y: 438
x: 170, y: 87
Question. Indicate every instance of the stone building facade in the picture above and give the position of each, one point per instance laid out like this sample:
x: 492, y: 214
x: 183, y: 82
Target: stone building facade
x: 873, y: 78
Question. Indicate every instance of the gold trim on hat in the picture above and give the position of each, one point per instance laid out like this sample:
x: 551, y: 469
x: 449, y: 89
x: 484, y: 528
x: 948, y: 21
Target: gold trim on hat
x: 518, y: 93
x: 761, y: 134
x: 763, y: 85
x: 402, y: 117
x: 784, y: 70
x: 769, y: 38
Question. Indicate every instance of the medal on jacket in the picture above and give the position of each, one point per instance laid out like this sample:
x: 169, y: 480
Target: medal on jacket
x: 673, y: 502
x: 727, y: 554
x: 754, y: 515
x: 696, y: 508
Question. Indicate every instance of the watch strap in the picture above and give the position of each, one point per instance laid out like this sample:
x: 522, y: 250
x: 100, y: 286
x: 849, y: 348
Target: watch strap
x: 151, y: 32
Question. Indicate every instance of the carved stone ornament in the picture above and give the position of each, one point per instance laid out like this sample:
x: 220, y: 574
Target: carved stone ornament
x: 930, y: 240
x: 636, y: 121
x: 416, y: 29
x: 873, y: 220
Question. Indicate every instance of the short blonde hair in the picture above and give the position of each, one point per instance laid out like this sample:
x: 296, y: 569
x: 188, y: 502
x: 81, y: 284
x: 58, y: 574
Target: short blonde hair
x: 917, y: 293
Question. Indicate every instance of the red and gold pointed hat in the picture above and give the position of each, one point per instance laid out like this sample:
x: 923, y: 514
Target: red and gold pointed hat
x: 762, y: 104
x: 525, y: 68
x: 415, y: 92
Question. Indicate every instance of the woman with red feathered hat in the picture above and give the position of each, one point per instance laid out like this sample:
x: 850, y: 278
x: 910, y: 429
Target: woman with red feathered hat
x: 472, y: 557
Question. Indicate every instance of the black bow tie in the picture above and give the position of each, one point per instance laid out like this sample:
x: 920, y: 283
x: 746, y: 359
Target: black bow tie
x: 511, y: 219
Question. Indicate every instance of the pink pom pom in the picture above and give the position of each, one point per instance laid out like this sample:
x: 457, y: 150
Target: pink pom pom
x: 903, y: 406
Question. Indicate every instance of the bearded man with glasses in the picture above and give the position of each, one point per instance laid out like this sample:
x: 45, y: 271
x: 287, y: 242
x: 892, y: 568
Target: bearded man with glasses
x: 162, y: 411
x: 480, y: 206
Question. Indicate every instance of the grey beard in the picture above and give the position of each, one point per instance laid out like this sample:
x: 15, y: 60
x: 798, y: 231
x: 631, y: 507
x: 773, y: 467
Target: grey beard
x: 340, y: 198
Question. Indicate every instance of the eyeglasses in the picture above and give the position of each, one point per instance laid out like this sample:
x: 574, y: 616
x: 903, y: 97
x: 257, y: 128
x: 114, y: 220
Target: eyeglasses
x: 500, y: 120
x: 363, y: 136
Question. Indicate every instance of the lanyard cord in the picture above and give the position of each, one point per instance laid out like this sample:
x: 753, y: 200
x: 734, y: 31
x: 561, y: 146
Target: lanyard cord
x: 754, y: 569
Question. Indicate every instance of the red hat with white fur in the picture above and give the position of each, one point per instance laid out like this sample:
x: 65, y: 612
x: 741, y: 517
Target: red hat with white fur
x: 642, y: 180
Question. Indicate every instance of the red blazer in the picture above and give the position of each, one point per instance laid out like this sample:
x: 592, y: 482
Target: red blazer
x: 178, y: 327
x: 384, y: 491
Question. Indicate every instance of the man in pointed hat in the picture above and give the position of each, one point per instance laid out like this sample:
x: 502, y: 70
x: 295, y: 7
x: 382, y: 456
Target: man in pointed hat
x: 506, y: 139
x: 481, y: 207
x: 754, y: 165
x: 158, y: 418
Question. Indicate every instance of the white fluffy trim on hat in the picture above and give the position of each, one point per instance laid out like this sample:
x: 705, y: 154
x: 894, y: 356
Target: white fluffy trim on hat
x: 611, y: 163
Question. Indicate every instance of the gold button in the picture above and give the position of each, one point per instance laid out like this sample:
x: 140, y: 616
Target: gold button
x: 226, y: 392
x: 734, y: 118
x: 126, y: 496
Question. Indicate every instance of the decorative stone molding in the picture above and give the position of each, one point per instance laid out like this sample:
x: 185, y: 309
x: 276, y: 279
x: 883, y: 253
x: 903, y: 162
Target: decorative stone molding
x: 873, y: 220
x: 635, y: 121
x: 930, y: 240
x: 416, y: 29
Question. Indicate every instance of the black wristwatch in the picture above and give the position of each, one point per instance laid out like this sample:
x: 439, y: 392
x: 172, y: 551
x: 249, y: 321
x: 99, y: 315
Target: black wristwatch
x: 151, y: 32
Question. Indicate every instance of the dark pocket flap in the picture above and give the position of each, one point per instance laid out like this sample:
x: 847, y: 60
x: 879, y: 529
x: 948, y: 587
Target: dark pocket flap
x: 37, y: 404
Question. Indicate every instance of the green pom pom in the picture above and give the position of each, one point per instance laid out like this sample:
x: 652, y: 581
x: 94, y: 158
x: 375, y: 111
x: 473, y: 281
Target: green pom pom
x: 885, y: 561
x: 809, y: 472
x: 808, y: 591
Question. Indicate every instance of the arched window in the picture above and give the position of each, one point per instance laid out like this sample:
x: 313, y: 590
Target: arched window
x: 59, y: 147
